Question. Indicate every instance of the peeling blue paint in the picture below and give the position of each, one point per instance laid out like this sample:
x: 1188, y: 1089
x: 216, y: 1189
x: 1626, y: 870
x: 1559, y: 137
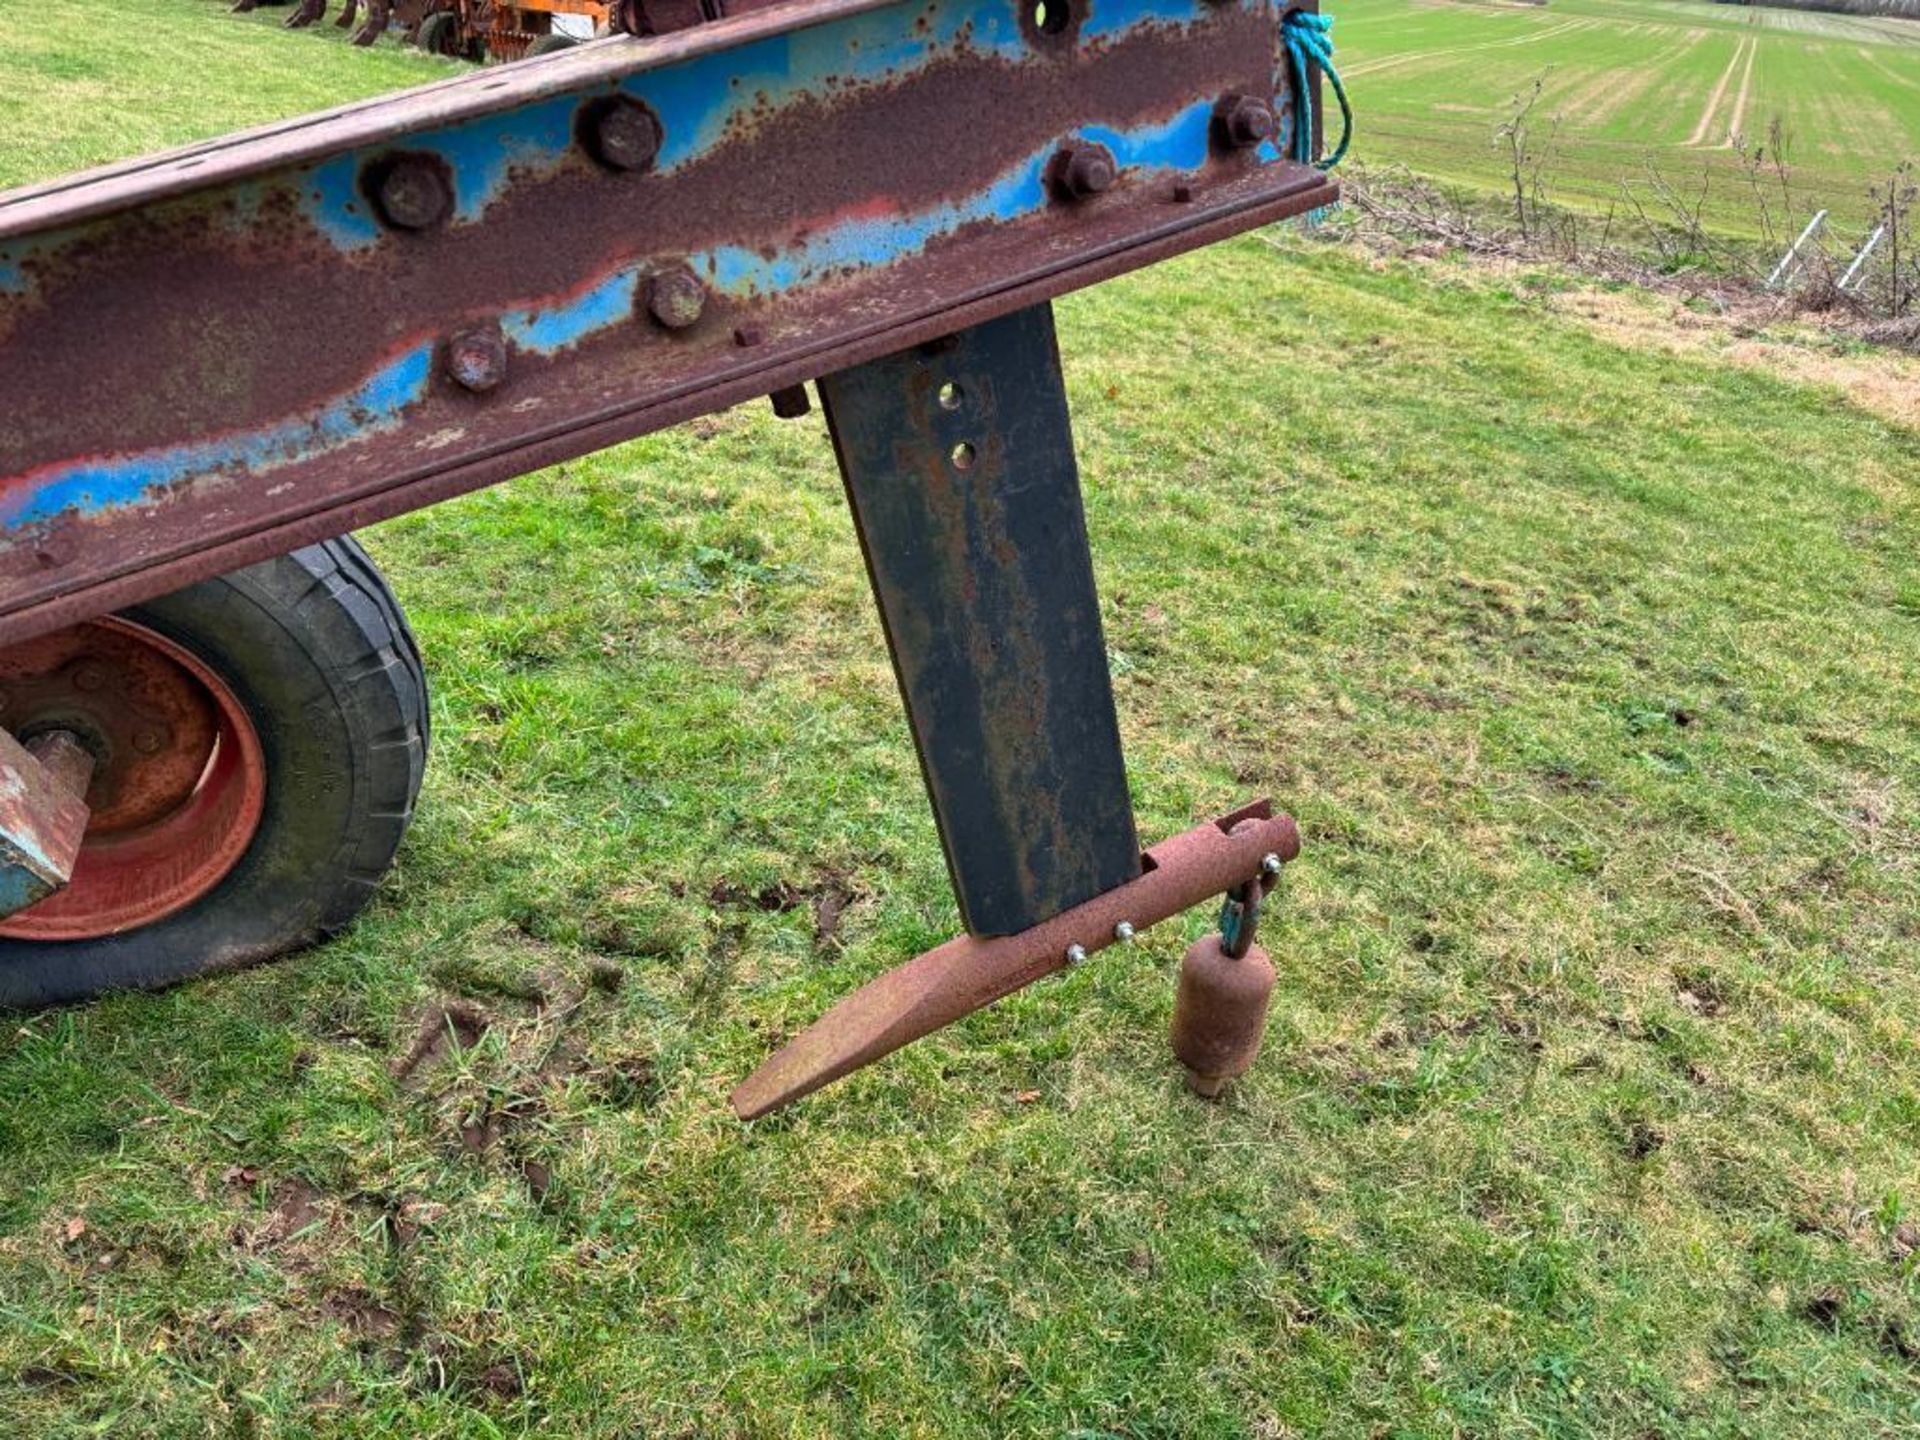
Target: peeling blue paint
x: 336, y: 206
x: 19, y: 888
x: 484, y: 153
x: 92, y: 486
x: 1179, y: 144
x: 548, y: 330
x: 24, y: 847
x: 698, y: 101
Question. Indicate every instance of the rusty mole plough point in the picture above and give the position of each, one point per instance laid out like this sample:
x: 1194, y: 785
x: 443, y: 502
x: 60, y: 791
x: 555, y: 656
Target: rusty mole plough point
x: 219, y: 359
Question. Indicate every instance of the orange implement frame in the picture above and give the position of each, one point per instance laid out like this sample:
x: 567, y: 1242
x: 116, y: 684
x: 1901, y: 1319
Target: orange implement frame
x: 487, y: 29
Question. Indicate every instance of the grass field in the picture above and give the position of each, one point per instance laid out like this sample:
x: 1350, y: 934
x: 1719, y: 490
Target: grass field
x: 1670, y: 82
x: 1591, y: 1104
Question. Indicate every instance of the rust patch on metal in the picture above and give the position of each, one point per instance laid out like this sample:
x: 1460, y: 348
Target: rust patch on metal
x: 1220, y: 1012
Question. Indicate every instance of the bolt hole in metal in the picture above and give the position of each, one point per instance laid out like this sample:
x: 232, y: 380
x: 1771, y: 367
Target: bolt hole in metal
x: 1051, y: 17
x: 964, y: 456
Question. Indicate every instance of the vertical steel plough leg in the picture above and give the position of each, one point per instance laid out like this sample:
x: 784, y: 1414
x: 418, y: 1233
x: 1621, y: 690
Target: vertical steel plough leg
x: 959, y: 467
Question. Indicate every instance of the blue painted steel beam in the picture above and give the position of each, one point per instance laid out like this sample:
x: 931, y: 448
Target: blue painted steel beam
x: 216, y: 355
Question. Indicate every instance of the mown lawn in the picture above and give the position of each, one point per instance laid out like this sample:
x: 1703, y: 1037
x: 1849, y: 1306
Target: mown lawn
x: 1591, y: 1105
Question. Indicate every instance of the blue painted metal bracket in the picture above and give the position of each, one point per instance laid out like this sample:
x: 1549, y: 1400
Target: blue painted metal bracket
x: 219, y: 354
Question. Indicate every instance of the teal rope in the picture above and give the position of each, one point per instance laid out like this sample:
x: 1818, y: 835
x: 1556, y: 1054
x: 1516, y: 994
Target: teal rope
x: 1309, y: 39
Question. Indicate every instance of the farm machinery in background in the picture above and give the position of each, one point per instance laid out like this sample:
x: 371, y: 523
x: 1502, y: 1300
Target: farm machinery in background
x: 486, y: 29
x: 463, y: 29
x: 214, y: 716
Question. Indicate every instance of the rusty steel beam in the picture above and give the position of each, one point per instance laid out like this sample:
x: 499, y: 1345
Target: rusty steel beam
x: 333, y: 320
x: 43, y: 815
x: 968, y: 974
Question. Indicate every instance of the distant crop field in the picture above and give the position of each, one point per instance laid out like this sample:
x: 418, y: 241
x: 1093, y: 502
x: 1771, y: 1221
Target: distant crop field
x: 1672, y: 83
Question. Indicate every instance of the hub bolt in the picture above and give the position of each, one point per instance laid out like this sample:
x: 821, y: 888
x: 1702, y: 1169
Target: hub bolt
x: 477, y: 359
x: 1123, y: 932
x: 1076, y: 954
x: 147, y: 742
x: 621, y: 133
x: 1271, y: 867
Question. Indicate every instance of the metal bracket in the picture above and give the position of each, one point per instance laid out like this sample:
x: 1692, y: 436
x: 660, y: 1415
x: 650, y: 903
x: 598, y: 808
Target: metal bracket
x: 43, y: 815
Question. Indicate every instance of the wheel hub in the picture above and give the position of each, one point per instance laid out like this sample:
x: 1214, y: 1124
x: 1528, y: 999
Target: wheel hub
x: 179, y: 777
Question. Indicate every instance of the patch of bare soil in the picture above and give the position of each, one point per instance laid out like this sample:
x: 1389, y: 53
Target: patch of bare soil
x: 444, y: 1028
x: 363, y: 1315
x: 496, y: 1110
x: 1884, y: 383
x: 827, y: 900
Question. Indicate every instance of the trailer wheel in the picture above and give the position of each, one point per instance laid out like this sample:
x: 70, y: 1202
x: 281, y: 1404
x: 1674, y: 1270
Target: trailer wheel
x: 440, y: 34
x: 259, y: 742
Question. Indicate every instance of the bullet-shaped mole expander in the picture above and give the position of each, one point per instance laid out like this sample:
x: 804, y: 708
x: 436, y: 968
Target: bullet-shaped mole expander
x: 1220, y: 1013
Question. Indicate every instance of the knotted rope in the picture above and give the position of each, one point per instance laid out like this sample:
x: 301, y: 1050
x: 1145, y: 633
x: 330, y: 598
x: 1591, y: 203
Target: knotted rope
x: 1310, y: 42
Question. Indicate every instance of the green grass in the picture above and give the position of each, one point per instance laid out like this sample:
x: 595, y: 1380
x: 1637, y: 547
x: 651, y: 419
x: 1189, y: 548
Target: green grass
x: 1633, y: 83
x: 1591, y: 1102
x: 87, y: 83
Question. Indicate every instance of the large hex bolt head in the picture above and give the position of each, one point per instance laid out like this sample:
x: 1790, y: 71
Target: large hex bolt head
x: 412, y: 192
x: 1081, y: 170
x: 1246, y: 121
x: 621, y: 133
x: 477, y: 359
x: 676, y: 299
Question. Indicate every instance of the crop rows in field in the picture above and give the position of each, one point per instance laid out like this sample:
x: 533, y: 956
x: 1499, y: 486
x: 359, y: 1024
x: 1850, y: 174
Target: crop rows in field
x: 1678, y: 85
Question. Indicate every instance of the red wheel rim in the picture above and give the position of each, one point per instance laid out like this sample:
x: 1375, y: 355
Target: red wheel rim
x: 179, y: 784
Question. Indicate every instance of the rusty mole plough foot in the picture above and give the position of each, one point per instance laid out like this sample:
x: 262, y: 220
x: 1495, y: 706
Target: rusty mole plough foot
x: 1222, y: 1007
x: 334, y: 320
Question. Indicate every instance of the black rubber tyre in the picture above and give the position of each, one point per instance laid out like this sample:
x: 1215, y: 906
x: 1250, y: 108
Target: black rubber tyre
x: 551, y: 44
x: 314, y: 647
x: 440, y: 34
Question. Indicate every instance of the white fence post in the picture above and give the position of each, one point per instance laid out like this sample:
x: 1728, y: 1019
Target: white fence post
x: 1873, y: 243
x: 1792, y: 256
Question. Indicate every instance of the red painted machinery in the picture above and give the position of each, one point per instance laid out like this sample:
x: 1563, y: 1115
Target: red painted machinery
x: 487, y: 29
x: 217, y: 715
